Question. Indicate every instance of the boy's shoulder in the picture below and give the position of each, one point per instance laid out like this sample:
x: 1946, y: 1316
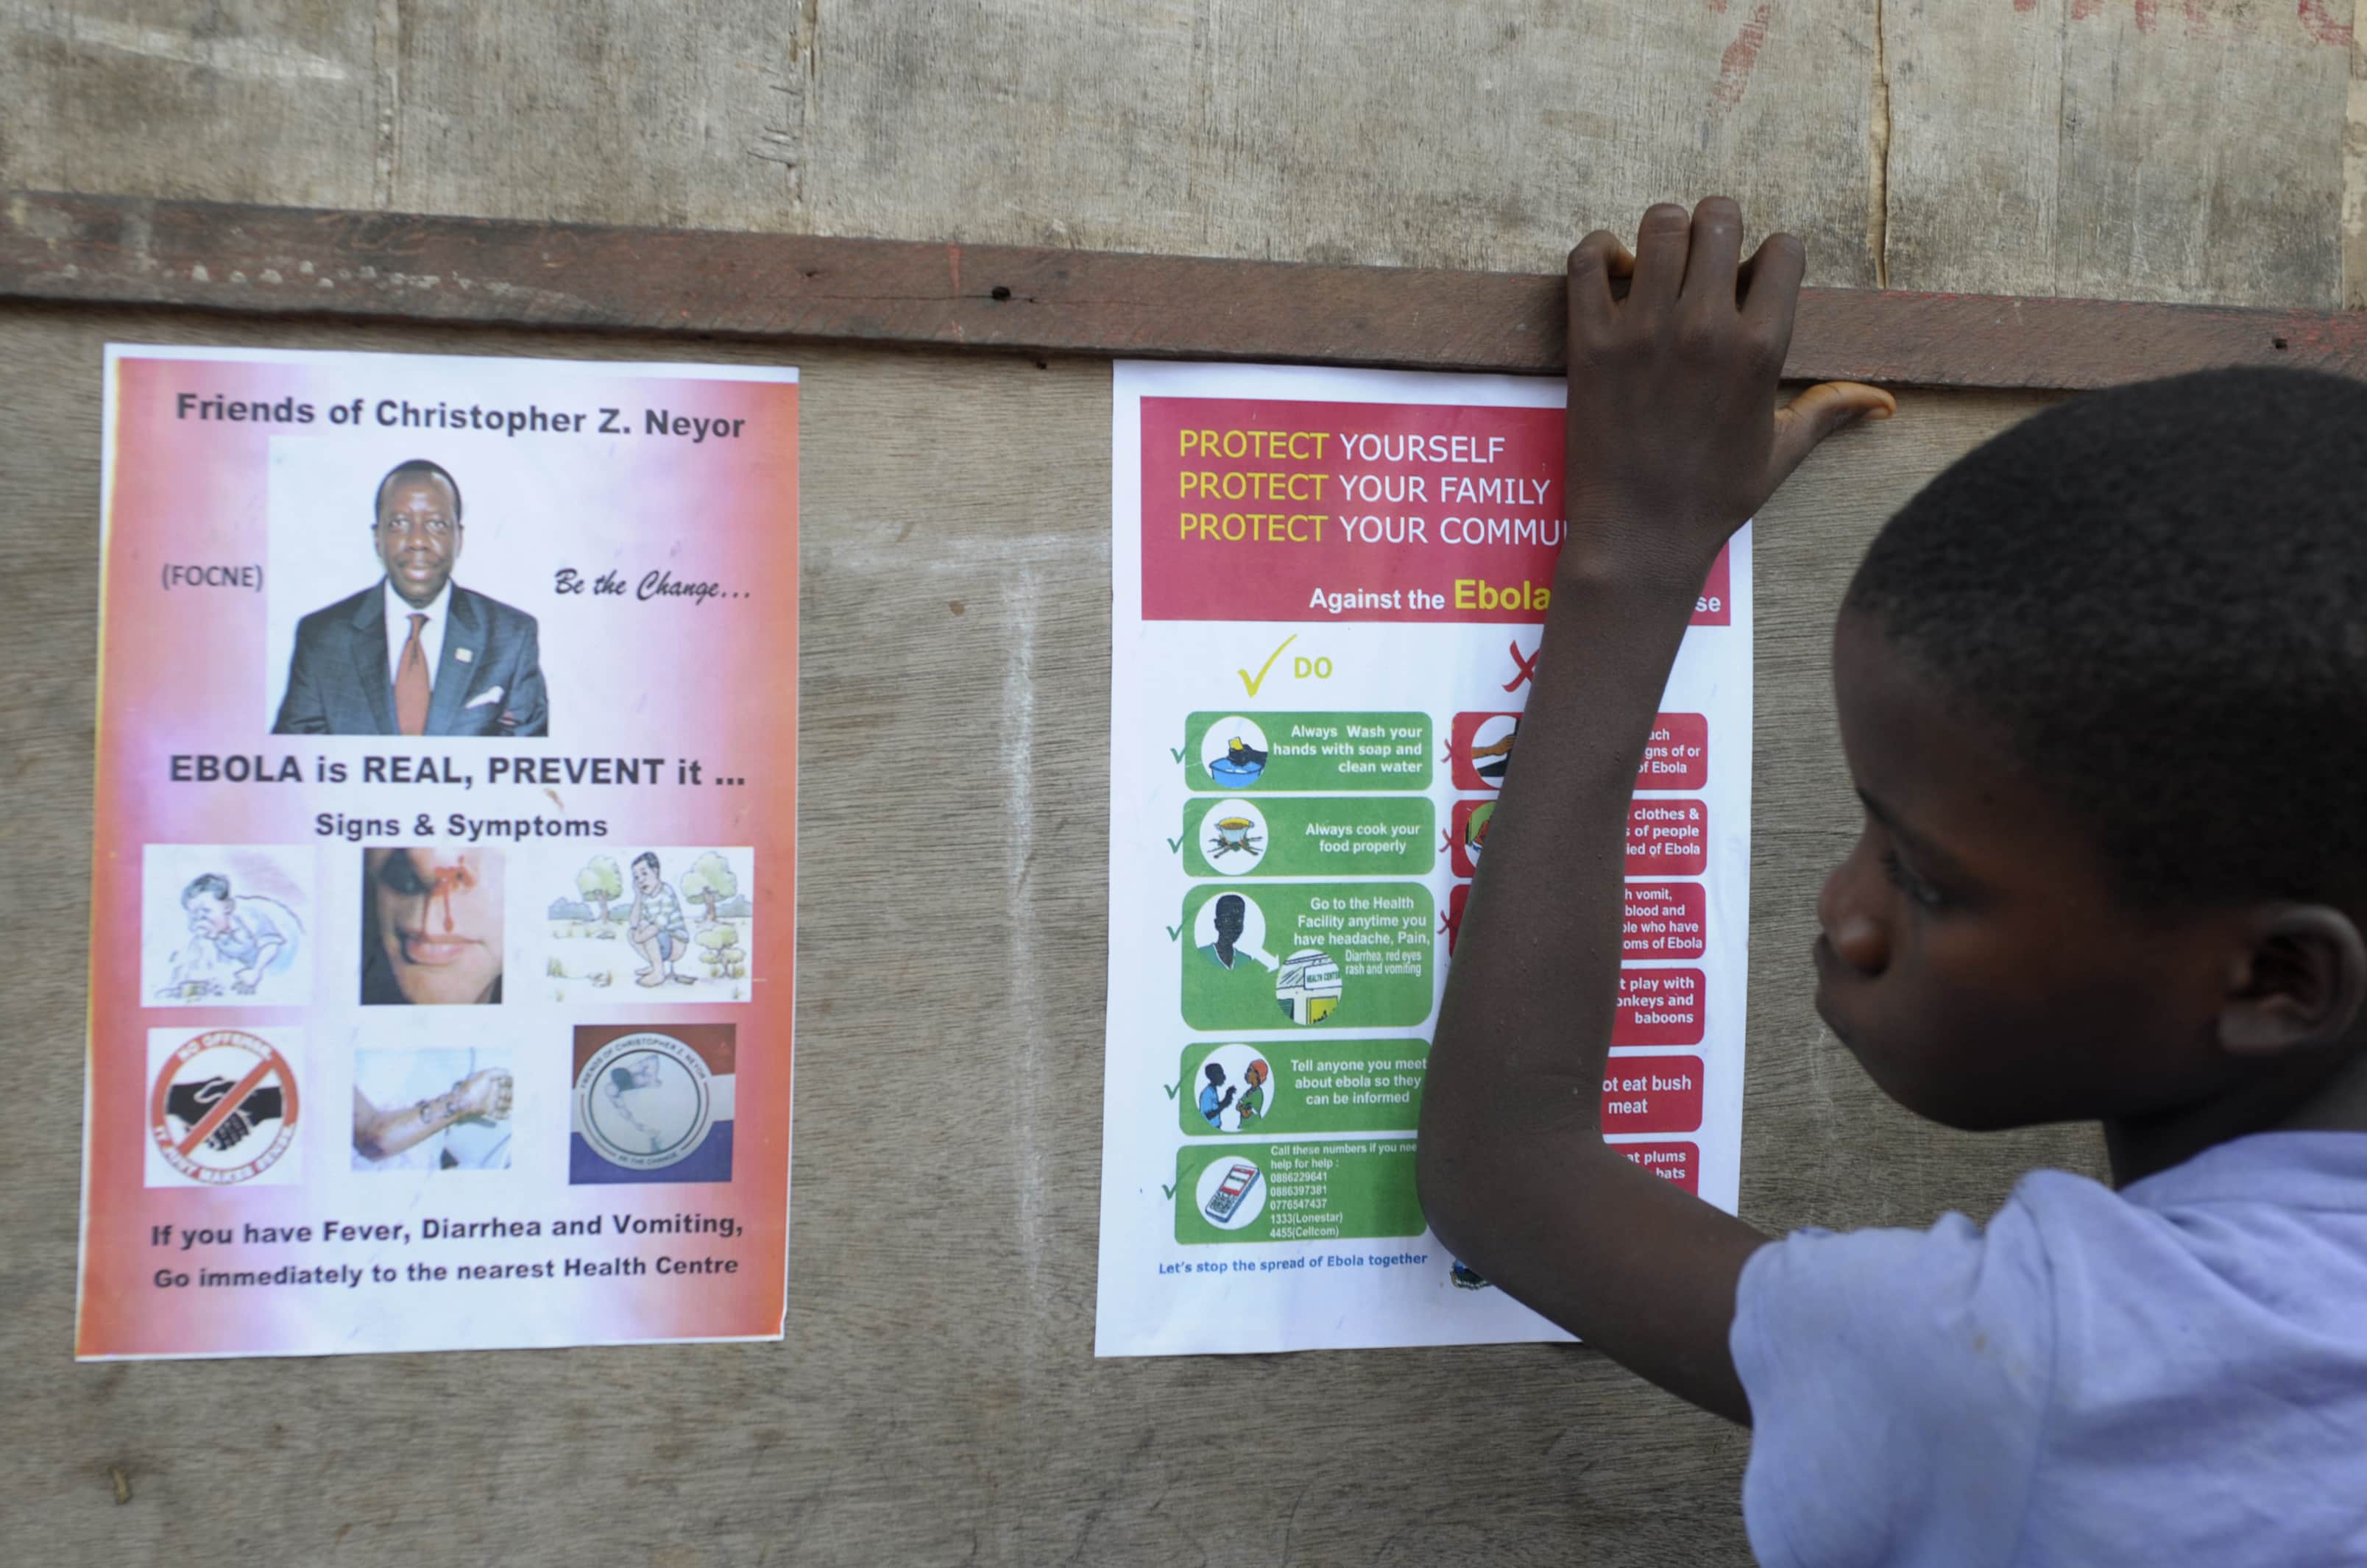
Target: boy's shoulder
x: 2062, y: 1384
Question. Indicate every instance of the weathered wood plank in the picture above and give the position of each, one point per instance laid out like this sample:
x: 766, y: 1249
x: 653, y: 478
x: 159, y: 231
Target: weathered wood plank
x: 242, y: 100
x: 601, y: 111
x: 936, y: 1399
x: 2118, y: 147
x: 271, y: 261
x: 1396, y: 132
x: 2121, y: 148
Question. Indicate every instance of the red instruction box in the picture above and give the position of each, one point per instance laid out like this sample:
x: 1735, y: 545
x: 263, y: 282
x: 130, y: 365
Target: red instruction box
x: 1660, y: 1006
x: 1677, y: 756
x: 1680, y: 1163
x: 1652, y: 1094
x: 1666, y: 919
x: 1667, y: 837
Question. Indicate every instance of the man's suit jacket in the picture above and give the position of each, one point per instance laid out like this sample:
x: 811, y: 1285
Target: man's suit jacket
x: 338, y: 682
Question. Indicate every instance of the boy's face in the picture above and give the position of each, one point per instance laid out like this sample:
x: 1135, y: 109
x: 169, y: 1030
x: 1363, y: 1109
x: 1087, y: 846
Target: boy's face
x: 1973, y: 957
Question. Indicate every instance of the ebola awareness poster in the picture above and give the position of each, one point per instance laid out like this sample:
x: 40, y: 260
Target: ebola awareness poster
x: 1330, y: 587
x: 444, y: 886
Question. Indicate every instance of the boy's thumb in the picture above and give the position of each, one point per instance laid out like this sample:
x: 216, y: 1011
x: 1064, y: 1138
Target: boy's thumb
x: 1815, y: 413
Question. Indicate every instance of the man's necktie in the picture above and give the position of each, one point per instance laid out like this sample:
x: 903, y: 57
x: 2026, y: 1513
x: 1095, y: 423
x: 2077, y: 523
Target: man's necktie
x: 410, y: 683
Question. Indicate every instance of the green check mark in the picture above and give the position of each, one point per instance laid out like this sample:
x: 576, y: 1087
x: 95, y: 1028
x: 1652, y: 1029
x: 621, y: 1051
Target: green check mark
x: 1254, y: 684
x: 1169, y: 1190
x: 1171, y: 1089
x: 1174, y: 844
x: 1174, y: 932
x: 1176, y: 753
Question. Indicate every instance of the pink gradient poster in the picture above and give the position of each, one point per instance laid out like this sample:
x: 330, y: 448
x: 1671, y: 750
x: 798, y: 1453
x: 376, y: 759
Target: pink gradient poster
x: 444, y: 891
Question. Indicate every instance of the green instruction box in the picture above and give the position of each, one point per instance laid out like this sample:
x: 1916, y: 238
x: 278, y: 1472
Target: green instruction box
x: 1295, y: 1192
x: 1326, y: 1086
x: 1279, y: 954
x: 1232, y: 753
x: 1349, y: 835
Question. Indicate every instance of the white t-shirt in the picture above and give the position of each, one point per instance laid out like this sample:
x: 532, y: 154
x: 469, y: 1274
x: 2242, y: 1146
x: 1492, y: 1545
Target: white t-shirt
x: 2172, y: 1374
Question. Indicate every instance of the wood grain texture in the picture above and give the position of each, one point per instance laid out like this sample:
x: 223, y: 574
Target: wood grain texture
x: 936, y: 1399
x: 607, y: 110
x: 1379, y: 131
x: 2354, y: 182
x: 238, y: 100
x: 260, y: 260
x: 2128, y: 148
x: 2125, y: 149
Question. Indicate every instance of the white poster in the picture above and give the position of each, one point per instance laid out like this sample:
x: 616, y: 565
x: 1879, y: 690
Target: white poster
x: 1329, y: 588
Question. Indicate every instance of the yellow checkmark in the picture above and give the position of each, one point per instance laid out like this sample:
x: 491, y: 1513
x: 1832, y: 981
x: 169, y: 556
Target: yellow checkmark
x: 1255, y: 681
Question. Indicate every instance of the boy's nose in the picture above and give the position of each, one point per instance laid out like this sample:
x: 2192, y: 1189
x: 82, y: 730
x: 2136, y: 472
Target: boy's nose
x: 1853, y: 926
x: 1862, y: 943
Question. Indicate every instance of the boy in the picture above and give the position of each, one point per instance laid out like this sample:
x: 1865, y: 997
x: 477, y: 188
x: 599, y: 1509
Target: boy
x: 2102, y: 689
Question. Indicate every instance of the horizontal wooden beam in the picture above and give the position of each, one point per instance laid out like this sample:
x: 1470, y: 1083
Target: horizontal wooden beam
x: 273, y: 261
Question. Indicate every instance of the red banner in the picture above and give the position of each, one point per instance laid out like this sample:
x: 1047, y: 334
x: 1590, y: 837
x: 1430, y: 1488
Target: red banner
x: 1276, y: 510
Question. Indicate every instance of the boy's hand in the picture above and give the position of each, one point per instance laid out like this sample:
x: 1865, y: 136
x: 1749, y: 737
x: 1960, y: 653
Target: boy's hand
x: 1674, y: 441
x: 1674, y: 438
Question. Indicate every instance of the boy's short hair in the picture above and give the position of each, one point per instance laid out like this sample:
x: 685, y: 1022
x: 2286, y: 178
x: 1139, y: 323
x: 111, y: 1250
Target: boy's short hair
x: 2157, y: 596
x: 647, y: 858
x: 211, y: 884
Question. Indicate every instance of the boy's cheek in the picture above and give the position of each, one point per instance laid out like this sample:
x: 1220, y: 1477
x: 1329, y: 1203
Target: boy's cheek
x: 1936, y: 1052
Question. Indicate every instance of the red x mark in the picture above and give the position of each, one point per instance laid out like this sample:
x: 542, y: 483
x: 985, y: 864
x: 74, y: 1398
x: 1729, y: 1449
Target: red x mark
x: 1527, y: 669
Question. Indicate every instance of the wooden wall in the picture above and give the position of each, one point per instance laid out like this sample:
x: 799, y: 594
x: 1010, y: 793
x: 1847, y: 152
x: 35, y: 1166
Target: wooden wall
x: 2190, y: 149
x: 935, y: 1399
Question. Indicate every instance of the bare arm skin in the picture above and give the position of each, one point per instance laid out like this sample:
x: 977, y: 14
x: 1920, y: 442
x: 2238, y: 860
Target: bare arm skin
x: 1675, y: 440
x: 378, y: 1134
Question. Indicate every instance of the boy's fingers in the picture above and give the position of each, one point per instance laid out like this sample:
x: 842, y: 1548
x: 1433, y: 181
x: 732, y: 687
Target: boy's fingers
x: 1815, y: 413
x: 1662, y: 240
x: 1770, y: 283
x: 1715, y: 255
x: 1593, y: 263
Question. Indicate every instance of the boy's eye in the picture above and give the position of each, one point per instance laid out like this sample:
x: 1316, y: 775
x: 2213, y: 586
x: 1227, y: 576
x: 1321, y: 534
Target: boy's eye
x: 1906, y: 882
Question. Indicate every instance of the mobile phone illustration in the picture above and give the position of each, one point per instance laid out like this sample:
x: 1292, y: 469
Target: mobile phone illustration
x: 1226, y: 1199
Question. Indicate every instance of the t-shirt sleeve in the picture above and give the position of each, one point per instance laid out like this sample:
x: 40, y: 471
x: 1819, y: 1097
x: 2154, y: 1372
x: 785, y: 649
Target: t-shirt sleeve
x: 1898, y: 1382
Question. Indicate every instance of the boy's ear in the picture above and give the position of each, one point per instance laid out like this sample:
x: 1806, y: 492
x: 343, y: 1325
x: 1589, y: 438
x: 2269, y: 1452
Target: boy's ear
x: 2298, y: 985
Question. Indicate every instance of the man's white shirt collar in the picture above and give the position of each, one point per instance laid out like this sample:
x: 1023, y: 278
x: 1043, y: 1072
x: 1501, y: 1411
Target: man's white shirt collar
x: 399, y: 612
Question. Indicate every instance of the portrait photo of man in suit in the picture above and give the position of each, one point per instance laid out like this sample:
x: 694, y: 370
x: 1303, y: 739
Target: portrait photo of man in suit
x: 414, y: 653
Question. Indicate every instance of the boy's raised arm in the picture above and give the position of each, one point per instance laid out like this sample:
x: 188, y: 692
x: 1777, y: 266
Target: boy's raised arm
x: 1675, y: 440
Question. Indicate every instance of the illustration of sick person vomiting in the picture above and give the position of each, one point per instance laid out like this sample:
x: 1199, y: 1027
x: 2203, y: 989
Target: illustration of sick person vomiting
x: 245, y: 938
x: 2083, y: 681
x: 656, y: 928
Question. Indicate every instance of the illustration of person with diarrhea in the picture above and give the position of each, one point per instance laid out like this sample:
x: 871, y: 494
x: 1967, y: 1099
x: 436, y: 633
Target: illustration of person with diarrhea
x: 431, y: 927
x: 252, y: 936
x: 656, y: 928
x: 413, y: 653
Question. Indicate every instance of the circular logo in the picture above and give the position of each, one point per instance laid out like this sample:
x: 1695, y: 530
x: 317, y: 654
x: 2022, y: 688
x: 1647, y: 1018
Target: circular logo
x: 224, y: 1108
x: 645, y: 1101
